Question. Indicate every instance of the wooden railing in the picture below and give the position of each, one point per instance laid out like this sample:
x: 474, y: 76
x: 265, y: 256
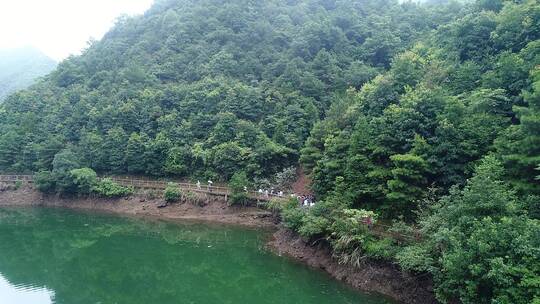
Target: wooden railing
x: 161, y: 185
x: 16, y: 178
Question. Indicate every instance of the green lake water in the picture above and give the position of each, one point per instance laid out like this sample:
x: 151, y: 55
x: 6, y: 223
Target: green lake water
x: 65, y: 257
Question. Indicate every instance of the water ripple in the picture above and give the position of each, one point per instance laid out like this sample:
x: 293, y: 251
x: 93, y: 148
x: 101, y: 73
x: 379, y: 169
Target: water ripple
x: 23, y: 293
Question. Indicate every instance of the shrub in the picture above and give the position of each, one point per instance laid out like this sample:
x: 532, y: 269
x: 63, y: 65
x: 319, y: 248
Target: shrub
x: 194, y: 199
x: 532, y: 204
x: 45, y: 181
x: 313, y: 225
x: 108, y: 188
x: 383, y: 249
x: 349, y: 235
x: 172, y: 193
x: 85, y: 179
x: 238, y: 185
x: 275, y: 205
x: 292, y: 217
x: 74, y: 181
x: 18, y: 185
x: 418, y: 258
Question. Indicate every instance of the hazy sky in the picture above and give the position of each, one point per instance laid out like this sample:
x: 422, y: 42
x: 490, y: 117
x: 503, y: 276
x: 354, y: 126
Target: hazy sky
x: 60, y: 27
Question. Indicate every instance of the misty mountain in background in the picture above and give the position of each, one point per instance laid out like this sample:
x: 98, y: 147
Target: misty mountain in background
x: 19, y: 68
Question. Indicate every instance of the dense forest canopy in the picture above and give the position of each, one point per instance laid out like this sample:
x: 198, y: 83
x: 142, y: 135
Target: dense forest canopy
x: 208, y: 87
x: 445, y: 103
x: 19, y: 68
x: 425, y: 116
x: 445, y: 143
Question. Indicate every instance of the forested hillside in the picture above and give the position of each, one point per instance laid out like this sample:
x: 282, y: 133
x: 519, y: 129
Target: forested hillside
x: 424, y: 117
x: 209, y: 87
x: 19, y: 68
x: 446, y: 145
x: 452, y: 98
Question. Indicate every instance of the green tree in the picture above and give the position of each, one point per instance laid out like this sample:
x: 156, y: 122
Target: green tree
x: 63, y: 163
x: 115, y: 142
x: 10, y: 147
x: 520, y: 147
x: 178, y: 161
x: 135, y: 153
x: 478, y: 246
x: 155, y: 154
x: 492, y: 5
x: 408, y: 184
x: 45, y: 181
x: 92, y: 150
x: 229, y: 158
x: 85, y: 179
x: 46, y: 151
x: 239, y: 184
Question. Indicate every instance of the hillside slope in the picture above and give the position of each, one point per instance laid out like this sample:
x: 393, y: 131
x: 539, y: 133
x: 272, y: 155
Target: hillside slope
x: 208, y: 87
x: 19, y: 68
x: 424, y: 116
x: 445, y: 145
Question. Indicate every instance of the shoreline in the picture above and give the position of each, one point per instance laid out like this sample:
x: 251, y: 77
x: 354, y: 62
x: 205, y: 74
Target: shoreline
x: 373, y: 277
x: 211, y: 210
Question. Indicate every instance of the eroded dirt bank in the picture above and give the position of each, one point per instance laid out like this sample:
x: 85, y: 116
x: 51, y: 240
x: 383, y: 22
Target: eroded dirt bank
x: 211, y: 209
x: 381, y: 278
x: 375, y: 277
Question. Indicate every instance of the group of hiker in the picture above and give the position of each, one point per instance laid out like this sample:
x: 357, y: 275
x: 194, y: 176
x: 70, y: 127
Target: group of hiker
x: 208, y: 186
x: 306, y: 200
x: 262, y: 192
x: 272, y: 192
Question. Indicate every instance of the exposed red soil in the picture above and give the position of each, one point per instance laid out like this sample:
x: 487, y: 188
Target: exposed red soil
x: 302, y: 184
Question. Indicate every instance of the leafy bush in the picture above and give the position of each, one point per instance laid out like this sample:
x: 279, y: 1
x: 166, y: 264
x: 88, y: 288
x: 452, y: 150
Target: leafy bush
x: 262, y: 183
x: 418, y: 258
x: 85, y: 179
x: 108, y: 188
x: 18, y: 185
x: 532, y: 205
x: 282, y: 180
x: 313, y: 226
x: 45, y: 181
x: 383, y: 249
x: 293, y: 217
x: 349, y: 234
x: 275, y: 205
x: 172, y: 193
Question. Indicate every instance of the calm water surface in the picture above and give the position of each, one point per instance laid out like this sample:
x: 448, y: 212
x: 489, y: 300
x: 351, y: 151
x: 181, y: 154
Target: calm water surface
x: 56, y: 256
